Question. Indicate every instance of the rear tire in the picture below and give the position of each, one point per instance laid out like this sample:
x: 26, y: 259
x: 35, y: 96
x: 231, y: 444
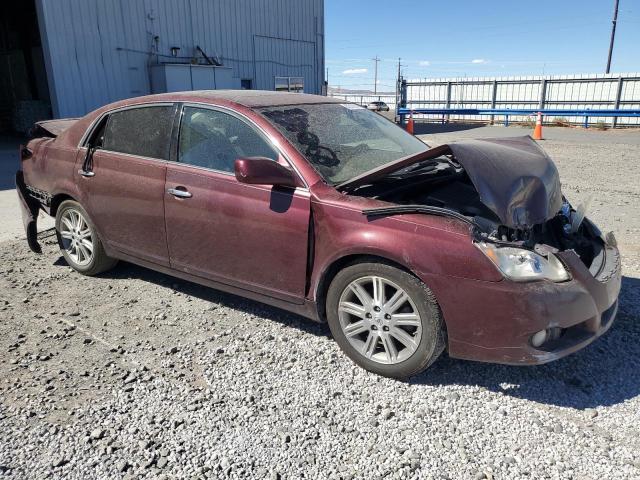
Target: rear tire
x: 79, y: 241
x: 396, y: 333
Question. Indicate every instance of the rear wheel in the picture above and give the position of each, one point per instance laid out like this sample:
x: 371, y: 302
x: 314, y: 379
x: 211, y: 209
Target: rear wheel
x: 385, y: 319
x: 78, y: 240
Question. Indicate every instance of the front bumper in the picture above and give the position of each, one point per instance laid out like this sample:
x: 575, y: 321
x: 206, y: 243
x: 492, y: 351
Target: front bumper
x: 494, y: 321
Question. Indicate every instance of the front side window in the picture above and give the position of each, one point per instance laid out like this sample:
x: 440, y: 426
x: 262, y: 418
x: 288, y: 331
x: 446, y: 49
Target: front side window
x: 144, y: 131
x: 342, y: 141
x: 213, y: 139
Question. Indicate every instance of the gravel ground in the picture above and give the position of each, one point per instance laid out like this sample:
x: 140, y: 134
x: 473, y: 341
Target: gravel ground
x: 135, y: 374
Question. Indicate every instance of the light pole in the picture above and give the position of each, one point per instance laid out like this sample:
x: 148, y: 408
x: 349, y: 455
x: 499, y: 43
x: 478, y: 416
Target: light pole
x: 375, y: 80
x: 613, y: 34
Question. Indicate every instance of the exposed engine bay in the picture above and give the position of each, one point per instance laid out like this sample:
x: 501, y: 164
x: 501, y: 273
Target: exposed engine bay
x: 519, y: 205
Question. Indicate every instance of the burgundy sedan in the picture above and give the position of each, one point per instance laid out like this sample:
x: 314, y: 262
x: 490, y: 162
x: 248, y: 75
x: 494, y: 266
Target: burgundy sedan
x: 326, y: 209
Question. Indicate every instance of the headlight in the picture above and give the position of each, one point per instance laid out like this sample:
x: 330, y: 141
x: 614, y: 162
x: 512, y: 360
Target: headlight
x: 524, y: 265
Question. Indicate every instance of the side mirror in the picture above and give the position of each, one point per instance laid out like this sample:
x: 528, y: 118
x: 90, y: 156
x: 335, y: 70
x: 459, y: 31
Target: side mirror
x: 264, y: 171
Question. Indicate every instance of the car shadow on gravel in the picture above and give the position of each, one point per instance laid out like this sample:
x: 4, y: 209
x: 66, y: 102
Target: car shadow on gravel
x: 605, y: 373
x: 126, y: 270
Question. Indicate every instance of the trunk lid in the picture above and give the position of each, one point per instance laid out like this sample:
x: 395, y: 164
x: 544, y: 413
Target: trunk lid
x: 52, y: 128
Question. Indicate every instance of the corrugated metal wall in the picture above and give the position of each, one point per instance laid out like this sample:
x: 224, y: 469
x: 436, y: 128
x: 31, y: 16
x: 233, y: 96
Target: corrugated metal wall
x: 98, y: 51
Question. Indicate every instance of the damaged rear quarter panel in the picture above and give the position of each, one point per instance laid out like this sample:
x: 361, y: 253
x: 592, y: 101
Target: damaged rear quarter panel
x: 52, y: 169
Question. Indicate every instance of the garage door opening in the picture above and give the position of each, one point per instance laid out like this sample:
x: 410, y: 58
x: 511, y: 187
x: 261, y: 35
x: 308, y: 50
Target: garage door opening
x: 24, y: 93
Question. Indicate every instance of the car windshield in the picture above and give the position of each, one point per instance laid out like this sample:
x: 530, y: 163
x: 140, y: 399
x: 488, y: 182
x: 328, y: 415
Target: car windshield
x: 342, y: 141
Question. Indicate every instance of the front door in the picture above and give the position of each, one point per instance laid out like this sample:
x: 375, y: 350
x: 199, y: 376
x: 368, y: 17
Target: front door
x: 125, y: 192
x: 250, y: 236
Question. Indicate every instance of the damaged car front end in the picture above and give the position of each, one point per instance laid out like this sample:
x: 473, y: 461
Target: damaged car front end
x: 561, y: 275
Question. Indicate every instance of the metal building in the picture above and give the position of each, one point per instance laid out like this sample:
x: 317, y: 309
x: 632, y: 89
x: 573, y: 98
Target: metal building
x: 98, y: 51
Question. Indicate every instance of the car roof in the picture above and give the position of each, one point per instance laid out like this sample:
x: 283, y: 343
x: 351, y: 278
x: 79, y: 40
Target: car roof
x: 249, y: 98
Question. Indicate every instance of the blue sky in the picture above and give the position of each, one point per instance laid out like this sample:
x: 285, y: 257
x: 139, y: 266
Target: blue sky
x: 475, y: 38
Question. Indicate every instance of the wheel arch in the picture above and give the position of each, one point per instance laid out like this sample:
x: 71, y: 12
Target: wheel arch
x: 56, y: 200
x: 338, y: 264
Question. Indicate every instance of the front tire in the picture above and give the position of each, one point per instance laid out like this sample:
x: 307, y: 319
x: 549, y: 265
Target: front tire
x: 79, y: 242
x: 385, y: 319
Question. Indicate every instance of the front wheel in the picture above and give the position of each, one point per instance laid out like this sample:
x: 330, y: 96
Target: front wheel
x: 78, y: 240
x: 385, y: 319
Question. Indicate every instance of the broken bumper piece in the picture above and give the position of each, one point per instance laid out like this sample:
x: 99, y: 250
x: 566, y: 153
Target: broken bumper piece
x: 29, y: 208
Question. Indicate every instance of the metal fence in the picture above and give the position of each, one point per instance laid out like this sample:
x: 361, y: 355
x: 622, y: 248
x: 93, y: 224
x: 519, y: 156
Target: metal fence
x: 566, y: 92
x: 366, y: 99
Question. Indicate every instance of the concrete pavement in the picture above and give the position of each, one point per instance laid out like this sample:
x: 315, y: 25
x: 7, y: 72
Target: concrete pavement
x: 437, y: 133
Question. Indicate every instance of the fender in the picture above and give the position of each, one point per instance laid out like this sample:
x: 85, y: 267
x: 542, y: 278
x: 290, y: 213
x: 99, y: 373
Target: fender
x: 341, y: 232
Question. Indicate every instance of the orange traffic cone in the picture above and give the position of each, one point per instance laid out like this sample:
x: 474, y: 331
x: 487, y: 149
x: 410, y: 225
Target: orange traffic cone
x: 537, y: 132
x: 410, y: 124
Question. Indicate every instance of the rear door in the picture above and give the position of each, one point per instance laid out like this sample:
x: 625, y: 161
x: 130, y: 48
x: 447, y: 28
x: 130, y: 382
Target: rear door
x: 125, y: 194
x: 251, y: 236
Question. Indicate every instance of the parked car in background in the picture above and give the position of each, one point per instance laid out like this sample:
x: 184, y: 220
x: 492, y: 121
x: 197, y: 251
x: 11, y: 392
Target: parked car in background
x: 328, y: 210
x: 378, y: 106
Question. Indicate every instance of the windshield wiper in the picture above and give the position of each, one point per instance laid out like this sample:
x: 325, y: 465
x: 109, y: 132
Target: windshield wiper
x: 384, y: 170
x: 421, y: 167
x: 410, y: 177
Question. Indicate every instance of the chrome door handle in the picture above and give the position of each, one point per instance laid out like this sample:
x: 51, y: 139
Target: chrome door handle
x: 176, y: 192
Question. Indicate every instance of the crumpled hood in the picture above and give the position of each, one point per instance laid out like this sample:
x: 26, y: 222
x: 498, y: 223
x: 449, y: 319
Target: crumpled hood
x: 514, y: 177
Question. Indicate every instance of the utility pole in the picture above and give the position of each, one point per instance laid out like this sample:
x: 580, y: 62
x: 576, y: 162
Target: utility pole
x: 398, y: 84
x: 613, y: 34
x: 375, y: 81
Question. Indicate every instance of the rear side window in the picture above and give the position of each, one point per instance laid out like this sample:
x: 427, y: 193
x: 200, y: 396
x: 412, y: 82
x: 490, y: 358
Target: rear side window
x: 144, y: 131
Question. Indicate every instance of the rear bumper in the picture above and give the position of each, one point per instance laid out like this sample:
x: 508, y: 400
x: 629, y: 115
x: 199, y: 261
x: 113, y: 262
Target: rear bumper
x: 494, y: 322
x: 29, y: 208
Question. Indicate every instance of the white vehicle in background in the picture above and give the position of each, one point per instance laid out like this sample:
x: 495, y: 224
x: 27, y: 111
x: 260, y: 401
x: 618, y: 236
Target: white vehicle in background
x: 378, y: 106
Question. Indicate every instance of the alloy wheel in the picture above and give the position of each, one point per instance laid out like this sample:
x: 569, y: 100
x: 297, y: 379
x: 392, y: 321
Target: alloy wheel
x: 380, y: 320
x: 76, y: 237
